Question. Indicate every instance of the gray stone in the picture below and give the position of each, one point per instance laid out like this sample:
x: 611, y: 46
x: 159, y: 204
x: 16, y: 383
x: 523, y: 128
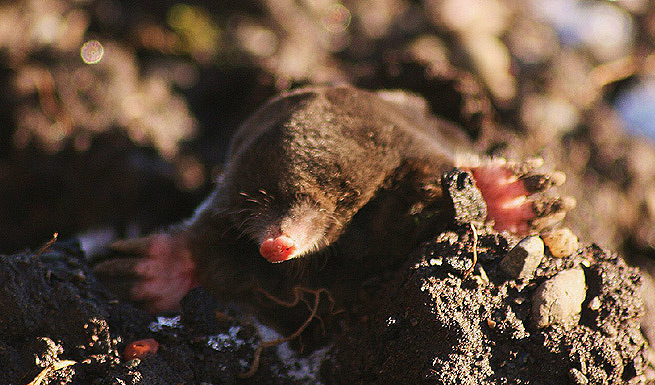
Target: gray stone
x: 523, y: 259
x: 561, y: 242
x: 559, y: 299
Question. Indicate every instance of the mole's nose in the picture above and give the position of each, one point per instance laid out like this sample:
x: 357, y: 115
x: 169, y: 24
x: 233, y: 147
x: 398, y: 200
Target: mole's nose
x: 277, y: 249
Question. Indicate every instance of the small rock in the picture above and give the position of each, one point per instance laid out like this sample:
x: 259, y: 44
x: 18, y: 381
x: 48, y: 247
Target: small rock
x: 609, y: 330
x: 578, y: 377
x: 523, y: 259
x: 561, y: 242
x: 594, y: 304
x: 457, y: 264
x: 435, y: 261
x: 559, y: 299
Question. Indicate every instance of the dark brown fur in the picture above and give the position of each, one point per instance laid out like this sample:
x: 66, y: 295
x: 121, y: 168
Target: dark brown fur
x: 351, y: 177
x: 328, y: 151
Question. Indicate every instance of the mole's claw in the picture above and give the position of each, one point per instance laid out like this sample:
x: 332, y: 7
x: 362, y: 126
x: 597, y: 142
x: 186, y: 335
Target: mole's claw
x: 119, y: 275
x: 154, y: 271
x: 552, y: 211
x: 549, y: 221
x: 132, y: 246
x: 542, y: 182
x: 512, y: 193
x: 524, y: 167
x: 117, y: 267
x: 545, y: 207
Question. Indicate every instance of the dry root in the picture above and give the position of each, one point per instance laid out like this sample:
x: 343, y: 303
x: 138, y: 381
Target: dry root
x: 475, y: 252
x: 47, y: 245
x: 298, y: 297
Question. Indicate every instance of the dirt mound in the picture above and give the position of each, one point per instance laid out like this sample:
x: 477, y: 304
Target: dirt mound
x: 435, y: 327
x: 434, y: 322
x: 59, y: 326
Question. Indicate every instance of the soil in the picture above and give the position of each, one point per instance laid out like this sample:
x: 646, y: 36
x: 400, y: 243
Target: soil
x: 428, y: 322
x: 60, y: 326
x: 131, y: 144
x: 433, y: 327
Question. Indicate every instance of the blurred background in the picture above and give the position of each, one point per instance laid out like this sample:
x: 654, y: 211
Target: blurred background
x: 115, y: 115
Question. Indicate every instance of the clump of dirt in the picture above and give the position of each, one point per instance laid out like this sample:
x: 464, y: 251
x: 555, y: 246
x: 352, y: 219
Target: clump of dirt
x: 434, y: 326
x: 59, y: 326
x: 440, y: 318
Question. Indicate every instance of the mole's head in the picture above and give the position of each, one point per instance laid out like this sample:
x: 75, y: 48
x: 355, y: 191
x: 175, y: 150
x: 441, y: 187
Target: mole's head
x: 296, y: 229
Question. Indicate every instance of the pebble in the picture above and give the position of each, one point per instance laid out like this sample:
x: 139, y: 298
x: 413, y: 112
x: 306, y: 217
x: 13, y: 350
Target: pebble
x: 578, y: 377
x: 559, y: 299
x: 561, y: 242
x: 521, y: 262
x: 609, y: 330
x: 594, y: 304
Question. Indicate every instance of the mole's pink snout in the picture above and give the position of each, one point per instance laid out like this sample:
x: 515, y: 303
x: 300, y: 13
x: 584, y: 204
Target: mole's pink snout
x: 278, y: 249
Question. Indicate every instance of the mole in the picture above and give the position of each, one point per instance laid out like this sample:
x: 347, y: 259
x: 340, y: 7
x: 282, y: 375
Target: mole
x: 320, y: 169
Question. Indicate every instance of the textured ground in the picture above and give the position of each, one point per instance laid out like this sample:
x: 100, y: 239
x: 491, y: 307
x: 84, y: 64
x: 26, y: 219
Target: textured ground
x: 131, y: 143
x: 424, y: 323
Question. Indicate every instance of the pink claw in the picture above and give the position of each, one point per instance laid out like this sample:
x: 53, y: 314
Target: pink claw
x: 166, y: 274
x: 506, y: 198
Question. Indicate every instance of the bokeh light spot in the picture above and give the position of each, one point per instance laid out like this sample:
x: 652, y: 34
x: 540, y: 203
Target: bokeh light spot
x: 92, y: 52
x: 337, y: 18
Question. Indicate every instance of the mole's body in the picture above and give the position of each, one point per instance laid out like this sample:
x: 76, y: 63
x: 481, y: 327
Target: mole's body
x: 302, y: 166
x: 297, y: 173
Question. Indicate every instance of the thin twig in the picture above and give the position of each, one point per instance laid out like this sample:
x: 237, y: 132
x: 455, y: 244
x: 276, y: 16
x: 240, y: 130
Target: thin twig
x: 47, y: 245
x: 475, y: 251
x: 53, y: 367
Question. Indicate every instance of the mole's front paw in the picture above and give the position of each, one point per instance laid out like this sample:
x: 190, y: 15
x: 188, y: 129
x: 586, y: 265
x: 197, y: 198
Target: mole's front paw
x: 511, y: 191
x: 154, y: 271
